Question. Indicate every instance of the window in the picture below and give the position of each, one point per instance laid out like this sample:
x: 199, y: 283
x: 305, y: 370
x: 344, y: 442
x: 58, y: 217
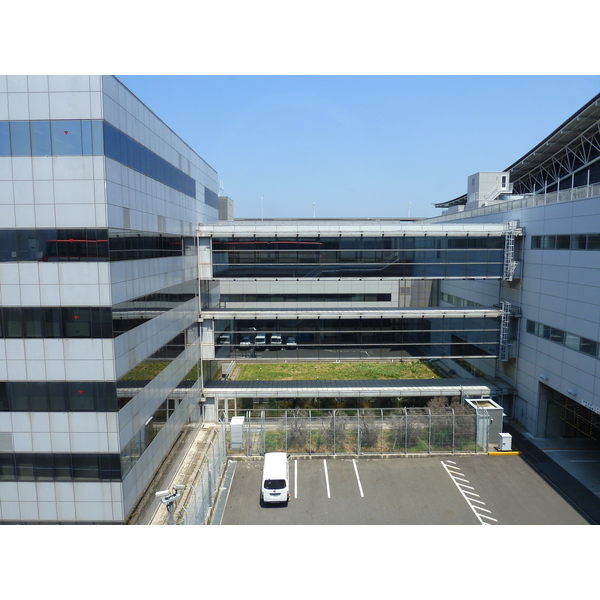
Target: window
x: 589, y: 347
x: 4, y: 139
x: 70, y: 137
x: 41, y: 143
x: 66, y: 138
x: 566, y: 242
x: 20, y: 138
x: 569, y: 340
x: 593, y: 242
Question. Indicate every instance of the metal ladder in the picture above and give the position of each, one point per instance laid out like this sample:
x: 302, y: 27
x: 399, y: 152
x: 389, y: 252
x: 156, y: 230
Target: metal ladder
x: 504, y: 349
x: 510, y: 264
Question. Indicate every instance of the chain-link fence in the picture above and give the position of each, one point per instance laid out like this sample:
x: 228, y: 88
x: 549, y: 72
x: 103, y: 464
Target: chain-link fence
x: 203, y: 491
x: 366, y: 431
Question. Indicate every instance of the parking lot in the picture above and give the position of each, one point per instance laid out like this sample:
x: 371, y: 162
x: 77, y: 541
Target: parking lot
x: 433, y: 490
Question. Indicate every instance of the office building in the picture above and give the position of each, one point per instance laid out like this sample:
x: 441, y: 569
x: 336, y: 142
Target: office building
x: 99, y: 205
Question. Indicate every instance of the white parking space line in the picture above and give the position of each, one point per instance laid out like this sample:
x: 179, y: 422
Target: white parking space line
x: 296, y: 478
x: 358, y: 479
x: 326, y: 478
x: 469, y: 499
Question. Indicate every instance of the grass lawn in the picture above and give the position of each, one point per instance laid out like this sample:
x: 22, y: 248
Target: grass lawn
x: 148, y: 370
x: 336, y: 371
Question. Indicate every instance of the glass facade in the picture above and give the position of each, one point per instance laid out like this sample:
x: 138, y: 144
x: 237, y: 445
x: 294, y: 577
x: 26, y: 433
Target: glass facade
x: 59, y: 396
x: 140, y: 376
x: 30, y: 466
x: 564, y: 338
x: 55, y: 322
x: 92, y: 322
x: 422, y: 337
x: 93, y: 137
x: 137, y: 311
x: 357, y: 256
x: 318, y: 298
x: 90, y: 245
x: 589, y: 241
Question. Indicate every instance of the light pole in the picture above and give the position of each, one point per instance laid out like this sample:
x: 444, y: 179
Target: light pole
x: 169, y: 499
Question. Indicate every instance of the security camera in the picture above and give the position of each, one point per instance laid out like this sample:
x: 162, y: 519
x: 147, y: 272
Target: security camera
x: 163, y: 493
x: 178, y: 488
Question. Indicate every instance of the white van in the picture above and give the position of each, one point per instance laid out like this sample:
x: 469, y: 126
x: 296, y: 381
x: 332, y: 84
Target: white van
x: 260, y: 341
x: 275, y: 484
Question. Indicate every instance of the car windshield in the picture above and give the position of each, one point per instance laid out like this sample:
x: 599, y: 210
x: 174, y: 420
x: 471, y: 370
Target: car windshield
x: 274, y: 484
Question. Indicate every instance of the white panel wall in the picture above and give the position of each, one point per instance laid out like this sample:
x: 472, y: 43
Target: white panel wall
x: 62, y: 432
x: 559, y: 288
x: 49, y: 501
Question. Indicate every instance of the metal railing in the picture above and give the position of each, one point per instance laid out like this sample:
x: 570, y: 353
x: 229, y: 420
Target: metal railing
x: 527, y: 201
x: 365, y: 431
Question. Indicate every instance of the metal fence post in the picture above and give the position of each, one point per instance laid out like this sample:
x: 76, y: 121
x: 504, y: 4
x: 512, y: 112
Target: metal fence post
x: 309, y: 431
x: 453, y: 427
x: 405, y: 432
x: 333, y: 412
x: 358, y: 431
x: 429, y: 438
x: 381, y: 445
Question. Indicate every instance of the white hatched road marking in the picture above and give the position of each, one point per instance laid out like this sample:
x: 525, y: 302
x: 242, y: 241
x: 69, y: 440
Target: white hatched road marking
x: 464, y: 493
x: 358, y: 479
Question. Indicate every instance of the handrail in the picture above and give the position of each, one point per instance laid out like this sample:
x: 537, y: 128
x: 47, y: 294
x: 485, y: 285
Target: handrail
x: 524, y: 201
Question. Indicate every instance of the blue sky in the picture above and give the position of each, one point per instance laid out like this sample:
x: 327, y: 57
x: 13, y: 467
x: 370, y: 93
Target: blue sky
x: 327, y: 107
x: 358, y: 146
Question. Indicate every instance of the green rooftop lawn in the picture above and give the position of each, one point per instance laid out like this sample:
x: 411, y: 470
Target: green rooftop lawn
x: 148, y: 370
x: 336, y: 371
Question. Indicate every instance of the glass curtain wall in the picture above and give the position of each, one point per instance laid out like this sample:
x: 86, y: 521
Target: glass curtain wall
x: 401, y: 338
x: 357, y: 256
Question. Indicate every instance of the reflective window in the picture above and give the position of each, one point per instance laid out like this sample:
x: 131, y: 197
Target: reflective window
x: 89, y: 245
x: 71, y: 137
x: 358, y: 257
x: 58, y: 396
x: 66, y: 138
x: 4, y: 139
x: 350, y: 338
x: 41, y: 143
x: 589, y: 241
x: 29, y: 466
x: 52, y: 322
x: 569, y: 340
x: 20, y: 138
